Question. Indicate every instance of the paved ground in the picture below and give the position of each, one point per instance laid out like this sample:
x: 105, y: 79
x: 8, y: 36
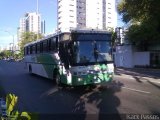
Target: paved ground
x: 132, y: 91
x: 139, y: 73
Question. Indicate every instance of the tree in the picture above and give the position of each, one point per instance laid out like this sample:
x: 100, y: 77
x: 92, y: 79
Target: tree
x: 27, y: 37
x: 144, y: 17
x: 2, y: 55
x: 5, y: 54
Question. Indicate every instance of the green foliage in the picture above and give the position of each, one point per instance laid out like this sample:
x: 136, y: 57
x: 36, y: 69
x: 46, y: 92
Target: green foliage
x: 2, y: 55
x: 144, y: 17
x: 6, y: 54
x: 28, y: 37
x: 11, y: 101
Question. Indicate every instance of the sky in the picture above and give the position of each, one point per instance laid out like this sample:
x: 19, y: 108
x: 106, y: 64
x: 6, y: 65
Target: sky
x: 12, y: 10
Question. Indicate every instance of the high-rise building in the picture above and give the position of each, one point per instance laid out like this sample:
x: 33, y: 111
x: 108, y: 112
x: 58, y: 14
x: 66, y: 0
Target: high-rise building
x: 95, y: 14
x: 31, y: 22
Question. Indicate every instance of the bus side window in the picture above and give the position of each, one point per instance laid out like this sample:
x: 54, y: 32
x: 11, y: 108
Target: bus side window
x: 24, y: 51
x: 38, y: 47
x: 35, y: 48
x: 31, y: 49
x: 49, y: 45
x: 53, y: 44
x: 45, y: 46
x: 27, y: 50
x: 56, y: 42
x: 41, y: 47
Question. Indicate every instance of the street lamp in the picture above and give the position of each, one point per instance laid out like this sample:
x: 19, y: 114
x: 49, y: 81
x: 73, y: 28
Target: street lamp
x: 10, y: 47
x: 13, y: 42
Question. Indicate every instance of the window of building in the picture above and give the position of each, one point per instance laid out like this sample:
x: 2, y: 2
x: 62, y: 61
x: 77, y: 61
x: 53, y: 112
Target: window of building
x: 71, y: 21
x: 71, y: 10
x: 71, y: 5
x: 59, y: 17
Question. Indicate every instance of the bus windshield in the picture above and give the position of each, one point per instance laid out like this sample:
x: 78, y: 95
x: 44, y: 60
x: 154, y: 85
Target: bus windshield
x: 90, y: 49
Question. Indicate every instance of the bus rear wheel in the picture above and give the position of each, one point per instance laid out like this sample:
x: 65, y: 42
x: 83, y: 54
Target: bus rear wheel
x: 30, y: 69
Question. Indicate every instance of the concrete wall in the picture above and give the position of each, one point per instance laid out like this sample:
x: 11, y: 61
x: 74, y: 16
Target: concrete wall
x: 141, y: 58
x: 126, y: 57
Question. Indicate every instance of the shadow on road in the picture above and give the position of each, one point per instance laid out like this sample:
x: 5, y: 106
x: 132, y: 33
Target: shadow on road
x: 137, y: 79
x: 155, y: 85
x: 135, y: 73
x: 2, y: 92
x: 41, y: 96
x: 85, y: 103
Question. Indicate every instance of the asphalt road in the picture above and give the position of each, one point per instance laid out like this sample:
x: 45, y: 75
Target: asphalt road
x: 128, y: 94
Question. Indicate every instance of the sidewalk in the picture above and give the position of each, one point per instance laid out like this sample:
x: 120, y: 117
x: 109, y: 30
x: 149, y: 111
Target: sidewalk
x: 143, y: 73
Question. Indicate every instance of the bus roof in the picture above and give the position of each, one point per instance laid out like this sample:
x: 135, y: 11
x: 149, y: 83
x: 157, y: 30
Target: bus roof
x: 71, y: 31
x: 89, y: 31
x: 39, y: 40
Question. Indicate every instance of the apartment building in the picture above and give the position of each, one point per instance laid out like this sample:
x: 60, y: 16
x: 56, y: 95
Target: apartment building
x: 31, y: 22
x: 94, y: 14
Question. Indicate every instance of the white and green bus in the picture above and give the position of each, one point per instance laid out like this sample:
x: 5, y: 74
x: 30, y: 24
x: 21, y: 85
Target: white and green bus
x: 78, y: 57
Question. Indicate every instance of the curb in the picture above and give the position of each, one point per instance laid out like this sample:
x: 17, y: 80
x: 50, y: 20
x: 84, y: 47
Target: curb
x: 140, y: 78
x: 139, y: 69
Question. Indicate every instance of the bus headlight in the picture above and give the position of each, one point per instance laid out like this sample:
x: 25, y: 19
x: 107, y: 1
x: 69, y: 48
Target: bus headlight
x: 110, y: 75
x: 94, y: 77
x: 80, y: 79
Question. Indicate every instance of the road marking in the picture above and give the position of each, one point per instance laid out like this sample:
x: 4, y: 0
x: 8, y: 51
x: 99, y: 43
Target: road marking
x: 141, y: 91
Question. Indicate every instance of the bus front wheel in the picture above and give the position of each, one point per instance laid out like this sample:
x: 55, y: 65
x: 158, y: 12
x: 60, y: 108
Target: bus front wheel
x: 57, y: 78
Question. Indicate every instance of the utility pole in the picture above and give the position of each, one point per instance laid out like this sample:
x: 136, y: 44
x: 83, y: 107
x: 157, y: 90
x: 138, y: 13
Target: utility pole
x: 13, y: 42
x: 37, y: 19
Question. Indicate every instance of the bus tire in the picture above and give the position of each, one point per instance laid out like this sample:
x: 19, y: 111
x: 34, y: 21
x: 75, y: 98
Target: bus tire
x: 56, y: 77
x: 30, y: 69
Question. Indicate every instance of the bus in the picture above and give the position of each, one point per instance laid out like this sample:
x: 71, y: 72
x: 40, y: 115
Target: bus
x: 74, y: 58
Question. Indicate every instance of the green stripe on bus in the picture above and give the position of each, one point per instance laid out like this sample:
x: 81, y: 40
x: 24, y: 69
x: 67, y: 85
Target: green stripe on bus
x: 47, y: 58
